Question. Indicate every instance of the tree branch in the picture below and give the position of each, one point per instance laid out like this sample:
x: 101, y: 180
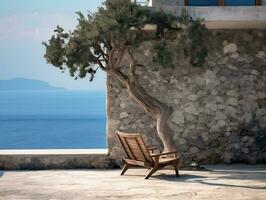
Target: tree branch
x: 104, y: 56
x: 102, y: 67
x: 119, y: 75
x: 132, y: 67
x: 111, y: 58
x: 121, y: 54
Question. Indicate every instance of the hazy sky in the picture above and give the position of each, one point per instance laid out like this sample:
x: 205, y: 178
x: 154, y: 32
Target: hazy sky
x: 24, y: 24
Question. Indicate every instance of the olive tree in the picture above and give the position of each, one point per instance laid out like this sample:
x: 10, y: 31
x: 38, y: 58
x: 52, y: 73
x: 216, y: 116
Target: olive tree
x: 102, y: 39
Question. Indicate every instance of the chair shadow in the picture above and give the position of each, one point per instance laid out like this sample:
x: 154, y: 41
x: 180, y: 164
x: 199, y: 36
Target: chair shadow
x: 181, y: 178
x: 187, y: 178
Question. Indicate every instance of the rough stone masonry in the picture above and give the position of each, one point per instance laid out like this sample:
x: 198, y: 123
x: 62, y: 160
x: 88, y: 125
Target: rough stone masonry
x: 219, y: 109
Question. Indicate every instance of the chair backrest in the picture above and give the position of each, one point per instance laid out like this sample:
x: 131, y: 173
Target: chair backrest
x: 134, y: 146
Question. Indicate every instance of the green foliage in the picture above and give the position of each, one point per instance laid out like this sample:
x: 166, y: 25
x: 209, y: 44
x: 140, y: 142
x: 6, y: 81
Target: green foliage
x: 188, y: 37
x: 195, y: 48
x: 118, y: 24
x: 163, y: 55
x: 54, y: 50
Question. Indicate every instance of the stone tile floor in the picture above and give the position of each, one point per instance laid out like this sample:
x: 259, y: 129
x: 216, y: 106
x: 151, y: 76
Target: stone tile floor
x: 227, y: 182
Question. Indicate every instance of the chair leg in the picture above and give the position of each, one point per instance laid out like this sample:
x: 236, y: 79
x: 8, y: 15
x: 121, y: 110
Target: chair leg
x: 125, y: 168
x: 151, y: 172
x: 176, y: 166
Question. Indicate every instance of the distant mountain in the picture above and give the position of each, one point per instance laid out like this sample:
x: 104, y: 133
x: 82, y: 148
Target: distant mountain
x: 26, y: 84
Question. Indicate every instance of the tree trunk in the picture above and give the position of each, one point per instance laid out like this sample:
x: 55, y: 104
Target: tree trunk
x: 165, y: 132
x: 160, y: 111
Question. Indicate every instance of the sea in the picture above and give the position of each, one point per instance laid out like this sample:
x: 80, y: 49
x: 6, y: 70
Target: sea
x: 52, y: 119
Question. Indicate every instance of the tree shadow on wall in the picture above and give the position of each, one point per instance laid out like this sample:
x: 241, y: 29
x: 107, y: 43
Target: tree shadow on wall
x: 254, y: 129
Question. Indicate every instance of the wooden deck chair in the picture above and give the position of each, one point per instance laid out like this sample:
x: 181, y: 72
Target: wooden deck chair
x: 139, y: 155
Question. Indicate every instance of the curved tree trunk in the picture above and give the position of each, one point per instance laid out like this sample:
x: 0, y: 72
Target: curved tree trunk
x: 165, y: 132
x: 160, y: 111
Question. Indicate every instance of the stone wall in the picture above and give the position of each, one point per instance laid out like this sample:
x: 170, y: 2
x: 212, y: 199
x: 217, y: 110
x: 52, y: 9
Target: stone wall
x: 219, y: 109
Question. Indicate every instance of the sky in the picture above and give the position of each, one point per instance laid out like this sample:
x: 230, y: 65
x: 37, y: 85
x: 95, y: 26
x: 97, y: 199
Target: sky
x: 24, y: 24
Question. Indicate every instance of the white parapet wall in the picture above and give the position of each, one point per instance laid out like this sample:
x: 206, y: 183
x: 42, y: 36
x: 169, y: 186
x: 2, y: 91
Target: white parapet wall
x: 224, y: 17
x: 54, y: 159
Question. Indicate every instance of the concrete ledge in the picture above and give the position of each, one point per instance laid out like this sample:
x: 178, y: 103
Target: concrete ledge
x: 235, y: 24
x: 55, y: 159
x: 53, y: 151
x: 225, y: 17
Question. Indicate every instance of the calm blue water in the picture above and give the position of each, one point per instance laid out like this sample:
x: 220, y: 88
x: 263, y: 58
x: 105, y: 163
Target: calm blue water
x: 52, y: 119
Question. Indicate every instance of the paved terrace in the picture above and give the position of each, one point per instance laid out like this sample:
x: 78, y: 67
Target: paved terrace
x: 232, y: 182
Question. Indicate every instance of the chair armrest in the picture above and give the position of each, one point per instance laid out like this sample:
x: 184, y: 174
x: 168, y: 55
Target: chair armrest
x: 163, y: 154
x: 151, y: 148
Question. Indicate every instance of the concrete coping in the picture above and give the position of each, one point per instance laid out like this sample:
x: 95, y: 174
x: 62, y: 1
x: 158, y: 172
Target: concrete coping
x: 54, y: 152
x: 224, y: 17
x: 223, y: 13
